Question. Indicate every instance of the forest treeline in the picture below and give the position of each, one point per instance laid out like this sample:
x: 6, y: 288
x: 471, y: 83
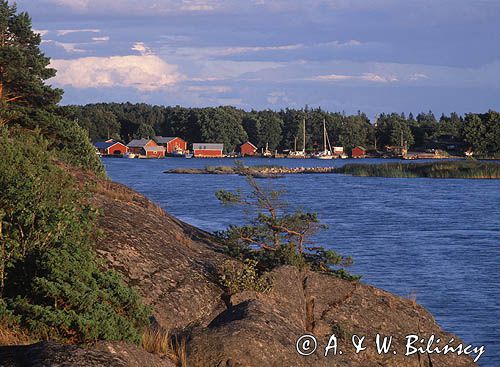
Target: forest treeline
x: 283, y: 129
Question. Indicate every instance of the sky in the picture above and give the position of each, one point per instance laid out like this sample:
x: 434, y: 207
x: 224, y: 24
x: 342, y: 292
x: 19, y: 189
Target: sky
x: 341, y: 55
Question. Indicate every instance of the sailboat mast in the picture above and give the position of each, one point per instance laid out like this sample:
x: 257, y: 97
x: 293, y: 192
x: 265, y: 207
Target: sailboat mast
x: 324, y: 136
x: 304, y: 137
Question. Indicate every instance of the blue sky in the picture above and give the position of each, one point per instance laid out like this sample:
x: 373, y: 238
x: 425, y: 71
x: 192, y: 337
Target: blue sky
x: 343, y: 55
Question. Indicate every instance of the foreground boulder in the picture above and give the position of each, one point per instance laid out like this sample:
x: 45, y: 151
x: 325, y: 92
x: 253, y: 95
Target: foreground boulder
x: 59, y: 355
x: 261, y: 330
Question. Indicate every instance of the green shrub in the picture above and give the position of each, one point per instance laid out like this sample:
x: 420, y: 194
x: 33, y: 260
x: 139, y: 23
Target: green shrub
x: 50, y: 278
x: 239, y: 277
x: 66, y: 294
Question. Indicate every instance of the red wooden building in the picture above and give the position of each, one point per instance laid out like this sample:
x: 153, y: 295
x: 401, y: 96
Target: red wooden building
x: 208, y: 150
x: 172, y: 144
x: 111, y: 147
x: 248, y: 149
x: 358, y: 152
x: 147, y: 148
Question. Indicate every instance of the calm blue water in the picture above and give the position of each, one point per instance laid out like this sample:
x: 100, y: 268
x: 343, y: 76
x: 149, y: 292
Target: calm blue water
x: 438, y: 239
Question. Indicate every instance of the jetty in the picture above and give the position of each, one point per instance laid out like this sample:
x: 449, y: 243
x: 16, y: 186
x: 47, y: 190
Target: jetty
x: 254, y: 171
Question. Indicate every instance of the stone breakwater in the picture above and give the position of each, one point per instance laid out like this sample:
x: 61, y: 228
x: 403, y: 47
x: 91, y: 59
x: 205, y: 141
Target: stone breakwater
x: 272, y: 172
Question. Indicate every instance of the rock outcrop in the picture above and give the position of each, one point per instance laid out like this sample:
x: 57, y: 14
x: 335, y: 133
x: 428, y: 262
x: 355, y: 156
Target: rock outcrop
x: 174, y: 266
x: 102, y: 354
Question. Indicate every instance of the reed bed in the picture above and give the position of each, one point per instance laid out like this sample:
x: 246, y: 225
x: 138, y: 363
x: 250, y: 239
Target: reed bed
x: 449, y: 169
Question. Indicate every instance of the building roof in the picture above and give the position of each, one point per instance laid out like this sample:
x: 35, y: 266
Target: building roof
x: 138, y: 143
x: 164, y: 139
x: 208, y: 146
x: 247, y: 142
x: 154, y: 149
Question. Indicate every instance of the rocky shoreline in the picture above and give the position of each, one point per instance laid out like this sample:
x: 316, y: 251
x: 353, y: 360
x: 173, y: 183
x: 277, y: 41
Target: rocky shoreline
x: 174, y: 265
x: 256, y: 171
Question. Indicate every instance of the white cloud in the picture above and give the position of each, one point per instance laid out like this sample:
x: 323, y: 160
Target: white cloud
x: 277, y: 97
x: 64, y: 32
x: 145, y: 7
x: 144, y: 73
x: 141, y: 48
x: 375, y: 78
x: 210, y: 88
x: 332, y: 77
x: 368, y: 77
x: 73, y: 4
x: 197, y: 5
x: 212, y: 52
x: 338, y: 44
x: 41, y: 32
x: 100, y: 39
x: 418, y: 76
x: 68, y: 47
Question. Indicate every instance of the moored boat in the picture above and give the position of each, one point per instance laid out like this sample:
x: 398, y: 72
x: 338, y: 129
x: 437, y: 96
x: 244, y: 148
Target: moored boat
x: 327, y: 148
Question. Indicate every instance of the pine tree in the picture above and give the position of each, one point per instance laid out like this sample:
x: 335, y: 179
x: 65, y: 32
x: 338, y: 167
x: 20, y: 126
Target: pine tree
x: 23, y: 67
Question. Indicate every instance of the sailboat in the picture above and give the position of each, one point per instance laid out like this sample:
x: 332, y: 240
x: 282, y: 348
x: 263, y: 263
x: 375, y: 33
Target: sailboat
x: 267, y: 153
x: 326, y: 153
x: 300, y: 153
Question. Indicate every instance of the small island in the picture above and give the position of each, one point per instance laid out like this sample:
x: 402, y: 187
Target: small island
x: 261, y: 171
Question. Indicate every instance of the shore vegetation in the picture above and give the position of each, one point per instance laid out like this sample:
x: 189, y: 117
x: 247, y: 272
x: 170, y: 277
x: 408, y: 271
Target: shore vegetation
x: 450, y: 169
x: 52, y: 284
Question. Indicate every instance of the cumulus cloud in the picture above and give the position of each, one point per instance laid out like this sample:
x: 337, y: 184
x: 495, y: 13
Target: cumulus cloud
x: 144, y: 73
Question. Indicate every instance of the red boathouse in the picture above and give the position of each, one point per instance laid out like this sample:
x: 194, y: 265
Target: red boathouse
x: 208, y: 150
x: 247, y: 149
x: 111, y: 147
x: 171, y: 144
x: 146, y: 147
x: 358, y: 152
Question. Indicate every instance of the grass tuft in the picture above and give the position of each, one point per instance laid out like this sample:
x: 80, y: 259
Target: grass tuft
x: 162, y: 342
